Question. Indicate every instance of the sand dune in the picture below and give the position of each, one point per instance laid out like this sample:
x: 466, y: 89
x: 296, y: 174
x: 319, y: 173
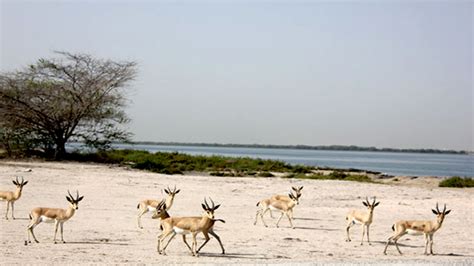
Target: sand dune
x: 104, y: 229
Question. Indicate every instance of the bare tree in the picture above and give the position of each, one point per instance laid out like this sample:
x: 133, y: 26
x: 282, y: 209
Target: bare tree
x: 73, y: 97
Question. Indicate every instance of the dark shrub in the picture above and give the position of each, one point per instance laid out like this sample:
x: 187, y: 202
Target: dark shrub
x: 457, y: 181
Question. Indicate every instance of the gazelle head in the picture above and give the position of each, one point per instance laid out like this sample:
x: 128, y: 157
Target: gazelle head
x: 160, y: 209
x: 172, y: 193
x: 370, y: 206
x: 295, y: 198
x: 74, y: 201
x: 297, y: 190
x: 19, y: 184
x: 209, y: 210
x: 440, y: 215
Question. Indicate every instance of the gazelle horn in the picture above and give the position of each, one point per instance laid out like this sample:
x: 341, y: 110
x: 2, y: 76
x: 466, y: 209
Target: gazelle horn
x: 68, y: 192
x: 213, y: 205
x: 205, y: 203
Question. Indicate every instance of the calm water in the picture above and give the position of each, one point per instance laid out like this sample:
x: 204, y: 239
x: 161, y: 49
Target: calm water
x: 413, y: 164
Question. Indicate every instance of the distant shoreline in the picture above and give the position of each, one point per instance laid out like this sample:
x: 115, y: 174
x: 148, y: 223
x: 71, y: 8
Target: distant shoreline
x: 303, y: 147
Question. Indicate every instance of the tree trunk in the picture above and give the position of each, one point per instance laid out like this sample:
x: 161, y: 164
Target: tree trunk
x: 60, y: 150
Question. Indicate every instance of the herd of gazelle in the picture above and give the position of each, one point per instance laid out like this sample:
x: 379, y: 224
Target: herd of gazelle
x: 171, y: 226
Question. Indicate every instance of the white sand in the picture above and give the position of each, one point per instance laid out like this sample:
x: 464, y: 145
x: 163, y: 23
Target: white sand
x: 104, y: 229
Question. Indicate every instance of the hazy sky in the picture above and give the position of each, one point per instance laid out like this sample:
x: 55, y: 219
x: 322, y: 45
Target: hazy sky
x: 375, y: 73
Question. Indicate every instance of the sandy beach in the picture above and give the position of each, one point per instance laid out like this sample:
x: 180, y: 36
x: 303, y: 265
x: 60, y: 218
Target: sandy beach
x: 104, y: 228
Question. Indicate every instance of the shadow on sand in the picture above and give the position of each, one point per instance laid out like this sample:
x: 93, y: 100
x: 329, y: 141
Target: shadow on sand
x: 233, y: 255
x: 391, y: 244
x: 452, y: 255
x: 306, y: 219
x: 96, y: 242
x: 24, y: 219
x: 314, y: 228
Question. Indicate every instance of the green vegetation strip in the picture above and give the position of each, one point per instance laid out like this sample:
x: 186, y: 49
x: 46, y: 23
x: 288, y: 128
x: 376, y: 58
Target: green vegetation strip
x: 178, y: 163
x: 335, y: 175
x: 457, y: 181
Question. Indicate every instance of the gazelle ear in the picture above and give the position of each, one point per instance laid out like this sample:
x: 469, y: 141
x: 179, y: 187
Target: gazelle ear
x: 365, y: 203
x: 204, y: 206
x: 448, y: 211
x: 376, y: 204
x: 301, y: 187
x: 215, y: 208
x: 434, y: 211
x: 177, y: 191
x: 291, y: 196
x: 15, y: 183
x: 167, y: 191
x: 294, y: 188
x: 24, y: 183
x: 68, y: 199
x: 80, y: 198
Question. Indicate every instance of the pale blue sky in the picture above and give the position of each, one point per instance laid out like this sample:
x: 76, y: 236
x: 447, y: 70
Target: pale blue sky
x: 385, y: 74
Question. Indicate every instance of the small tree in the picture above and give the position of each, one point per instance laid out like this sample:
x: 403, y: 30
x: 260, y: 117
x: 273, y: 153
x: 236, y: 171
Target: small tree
x: 73, y: 97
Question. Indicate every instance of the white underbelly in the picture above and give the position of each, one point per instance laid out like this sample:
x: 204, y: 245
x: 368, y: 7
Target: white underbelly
x: 180, y: 231
x: 355, y: 221
x: 151, y: 209
x: 414, y: 232
x: 45, y: 219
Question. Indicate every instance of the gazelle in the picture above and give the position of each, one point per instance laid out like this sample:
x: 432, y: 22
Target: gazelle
x: 297, y: 191
x: 190, y: 225
x: 147, y: 205
x: 59, y: 216
x: 285, y: 207
x: 427, y: 228
x: 361, y: 217
x: 10, y: 197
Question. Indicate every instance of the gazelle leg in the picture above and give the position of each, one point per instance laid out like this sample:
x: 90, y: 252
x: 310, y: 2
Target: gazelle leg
x: 386, y: 246
x: 218, y: 240
x: 261, y: 217
x: 256, y: 217
x: 207, y: 238
x: 30, y: 228
x: 13, y: 210
x: 271, y: 214
x: 186, y: 242
x: 56, y: 224
x: 169, y: 240
x: 289, y: 219
x: 431, y: 244
x: 279, y: 219
x: 8, y: 208
x: 161, y: 239
x: 140, y: 214
x: 195, y: 244
x: 368, y: 229
x: 62, y: 237
x: 426, y: 244
x: 363, y: 233
x: 349, y: 225
x: 158, y: 243
x: 396, y: 244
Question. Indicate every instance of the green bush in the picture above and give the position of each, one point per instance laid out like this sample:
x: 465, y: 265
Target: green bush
x: 333, y: 176
x: 457, y: 181
x: 265, y: 174
x: 177, y: 163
